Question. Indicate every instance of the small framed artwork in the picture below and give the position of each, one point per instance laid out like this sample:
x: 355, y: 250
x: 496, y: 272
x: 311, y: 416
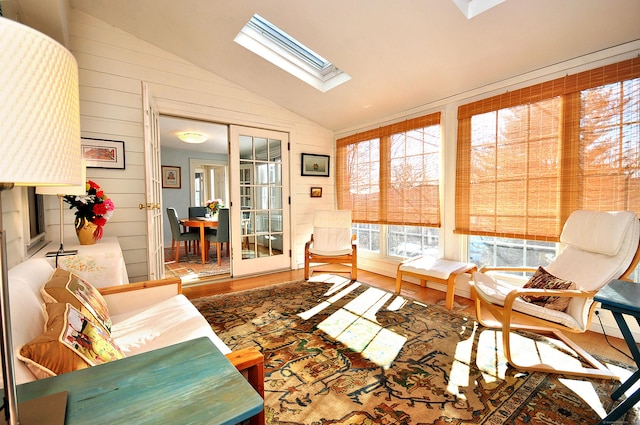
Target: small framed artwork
x: 101, y: 153
x: 315, y: 165
x: 171, y: 177
x: 316, y: 192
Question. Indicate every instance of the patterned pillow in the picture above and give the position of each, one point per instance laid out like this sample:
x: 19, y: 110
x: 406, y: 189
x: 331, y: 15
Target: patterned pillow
x: 70, y: 342
x: 66, y: 287
x: 542, y: 279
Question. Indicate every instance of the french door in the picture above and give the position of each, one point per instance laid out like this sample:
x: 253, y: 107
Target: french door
x: 153, y: 185
x: 259, y: 168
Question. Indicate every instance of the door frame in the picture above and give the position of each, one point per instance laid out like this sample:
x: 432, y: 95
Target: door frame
x: 265, y: 264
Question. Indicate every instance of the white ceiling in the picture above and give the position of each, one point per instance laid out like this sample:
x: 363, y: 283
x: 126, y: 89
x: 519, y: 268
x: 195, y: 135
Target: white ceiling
x: 401, y: 55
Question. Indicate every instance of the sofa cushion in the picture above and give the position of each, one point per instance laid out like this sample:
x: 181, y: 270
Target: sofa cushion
x: 67, y: 287
x: 70, y: 342
x: 168, y: 322
x: 542, y: 279
x: 27, y: 314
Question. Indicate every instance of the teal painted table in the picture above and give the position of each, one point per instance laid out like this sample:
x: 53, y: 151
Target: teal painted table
x: 186, y: 383
x: 622, y: 297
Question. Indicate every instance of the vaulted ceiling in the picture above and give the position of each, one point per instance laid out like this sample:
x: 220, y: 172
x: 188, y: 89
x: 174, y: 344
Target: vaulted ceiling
x: 401, y: 55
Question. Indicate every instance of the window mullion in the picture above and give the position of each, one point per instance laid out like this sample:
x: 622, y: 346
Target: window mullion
x: 385, y: 177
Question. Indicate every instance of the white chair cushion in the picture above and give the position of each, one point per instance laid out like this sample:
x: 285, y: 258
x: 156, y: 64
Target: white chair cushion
x: 331, y: 233
x: 495, y: 291
x: 431, y: 266
x: 597, y: 231
x: 331, y: 241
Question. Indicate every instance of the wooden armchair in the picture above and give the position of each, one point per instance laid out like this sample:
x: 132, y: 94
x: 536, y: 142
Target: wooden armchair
x: 596, y: 248
x: 331, y: 242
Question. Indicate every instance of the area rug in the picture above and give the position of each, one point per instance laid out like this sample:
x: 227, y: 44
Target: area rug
x: 338, y: 352
x: 190, y: 266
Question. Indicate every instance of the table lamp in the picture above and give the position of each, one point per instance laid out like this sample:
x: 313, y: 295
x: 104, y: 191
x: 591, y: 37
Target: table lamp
x: 61, y: 191
x: 39, y: 146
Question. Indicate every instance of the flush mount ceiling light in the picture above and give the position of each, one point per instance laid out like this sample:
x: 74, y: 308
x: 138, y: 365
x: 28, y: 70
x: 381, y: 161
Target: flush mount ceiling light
x: 271, y: 43
x: 192, y: 137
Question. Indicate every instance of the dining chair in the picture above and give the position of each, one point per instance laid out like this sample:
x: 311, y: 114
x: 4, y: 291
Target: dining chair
x: 197, y: 211
x: 178, y: 236
x: 220, y: 235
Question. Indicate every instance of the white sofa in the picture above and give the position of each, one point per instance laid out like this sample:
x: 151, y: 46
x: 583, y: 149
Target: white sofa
x: 145, y: 316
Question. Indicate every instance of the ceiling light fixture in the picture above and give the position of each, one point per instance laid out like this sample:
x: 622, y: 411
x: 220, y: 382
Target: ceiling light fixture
x: 192, y: 137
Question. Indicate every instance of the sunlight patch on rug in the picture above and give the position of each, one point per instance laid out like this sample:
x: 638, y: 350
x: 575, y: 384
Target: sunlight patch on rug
x: 342, y: 352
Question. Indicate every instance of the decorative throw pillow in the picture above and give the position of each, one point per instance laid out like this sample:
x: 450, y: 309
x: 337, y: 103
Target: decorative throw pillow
x: 542, y: 279
x: 70, y: 342
x: 66, y: 287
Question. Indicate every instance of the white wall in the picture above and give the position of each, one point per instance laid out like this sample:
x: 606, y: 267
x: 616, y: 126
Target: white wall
x: 112, y: 65
x: 180, y: 199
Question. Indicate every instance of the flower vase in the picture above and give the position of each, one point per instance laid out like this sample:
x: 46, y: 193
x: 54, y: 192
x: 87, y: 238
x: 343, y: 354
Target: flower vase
x: 86, y: 232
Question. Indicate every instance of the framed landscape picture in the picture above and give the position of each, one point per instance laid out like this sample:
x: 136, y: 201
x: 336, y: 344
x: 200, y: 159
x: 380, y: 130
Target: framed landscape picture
x: 171, y: 177
x: 101, y: 153
x: 315, y: 165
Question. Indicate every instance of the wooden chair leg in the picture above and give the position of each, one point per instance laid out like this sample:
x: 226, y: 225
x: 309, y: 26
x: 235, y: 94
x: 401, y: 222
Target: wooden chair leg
x: 251, y: 360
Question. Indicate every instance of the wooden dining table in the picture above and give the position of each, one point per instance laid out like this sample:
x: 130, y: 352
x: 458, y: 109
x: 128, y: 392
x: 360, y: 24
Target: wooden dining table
x: 203, y: 223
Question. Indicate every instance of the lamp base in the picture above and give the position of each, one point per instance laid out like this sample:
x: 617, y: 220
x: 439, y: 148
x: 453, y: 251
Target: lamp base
x: 50, y: 410
x: 61, y: 252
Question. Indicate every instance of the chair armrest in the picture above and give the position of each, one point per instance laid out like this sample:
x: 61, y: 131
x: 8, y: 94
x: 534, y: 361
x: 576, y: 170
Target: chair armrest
x: 507, y: 269
x: 308, y: 244
x: 571, y: 293
x: 133, y: 296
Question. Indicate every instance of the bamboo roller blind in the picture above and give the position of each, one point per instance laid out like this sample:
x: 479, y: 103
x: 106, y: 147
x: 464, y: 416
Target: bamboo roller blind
x: 528, y: 158
x: 391, y: 175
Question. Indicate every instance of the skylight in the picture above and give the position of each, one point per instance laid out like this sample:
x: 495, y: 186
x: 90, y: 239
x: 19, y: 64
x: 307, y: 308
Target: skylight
x: 271, y: 43
x: 472, y: 8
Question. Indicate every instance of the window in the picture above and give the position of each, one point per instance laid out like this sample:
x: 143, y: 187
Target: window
x: 271, y: 43
x: 390, y: 179
x: 528, y: 158
x: 35, y: 211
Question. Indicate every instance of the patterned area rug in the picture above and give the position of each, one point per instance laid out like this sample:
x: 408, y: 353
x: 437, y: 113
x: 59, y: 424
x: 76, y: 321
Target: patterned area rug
x: 338, y: 352
x: 190, y: 266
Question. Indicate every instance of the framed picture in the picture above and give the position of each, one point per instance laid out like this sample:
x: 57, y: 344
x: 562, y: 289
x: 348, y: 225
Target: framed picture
x: 316, y: 192
x: 101, y: 153
x: 315, y: 165
x: 171, y: 177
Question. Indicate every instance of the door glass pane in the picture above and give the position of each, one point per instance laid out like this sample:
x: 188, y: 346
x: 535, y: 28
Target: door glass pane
x: 276, y: 174
x: 261, y: 149
x: 275, y: 150
x: 275, y: 199
x: 246, y: 147
x: 261, y: 196
x: 262, y: 173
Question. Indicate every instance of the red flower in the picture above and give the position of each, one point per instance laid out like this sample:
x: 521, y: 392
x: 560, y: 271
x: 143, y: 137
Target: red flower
x: 99, y: 209
x: 100, y: 221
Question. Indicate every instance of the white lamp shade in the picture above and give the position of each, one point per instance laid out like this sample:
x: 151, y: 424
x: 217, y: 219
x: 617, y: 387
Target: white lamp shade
x: 39, y: 109
x: 67, y: 190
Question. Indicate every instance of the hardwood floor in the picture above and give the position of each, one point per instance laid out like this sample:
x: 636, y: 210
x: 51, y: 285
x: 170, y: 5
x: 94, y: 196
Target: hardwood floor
x: 593, y: 342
